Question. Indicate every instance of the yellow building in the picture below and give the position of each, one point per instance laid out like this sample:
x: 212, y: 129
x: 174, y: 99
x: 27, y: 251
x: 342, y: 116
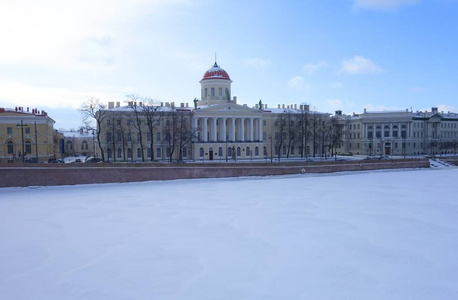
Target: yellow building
x: 26, y: 135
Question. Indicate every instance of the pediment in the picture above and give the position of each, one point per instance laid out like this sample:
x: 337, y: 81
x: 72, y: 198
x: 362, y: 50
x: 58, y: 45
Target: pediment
x: 228, y: 109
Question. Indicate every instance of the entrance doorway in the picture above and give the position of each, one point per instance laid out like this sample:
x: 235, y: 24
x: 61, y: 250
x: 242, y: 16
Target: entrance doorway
x: 210, y: 154
x: 387, y: 149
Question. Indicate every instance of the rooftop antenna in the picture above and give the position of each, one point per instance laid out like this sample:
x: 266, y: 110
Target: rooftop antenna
x: 216, y: 65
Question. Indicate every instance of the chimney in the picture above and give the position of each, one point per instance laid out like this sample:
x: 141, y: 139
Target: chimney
x: 162, y: 103
x: 181, y: 104
x: 110, y: 105
x: 434, y: 110
x: 235, y: 99
x: 338, y: 112
x: 295, y: 106
x: 15, y: 109
x: 140, y: 103
x: 283, y: 106
x: 265, y: 105
x: 167, y: 104
x: 27, y: 109
x: 187, y: 104
x: 256, y: 106
x: 118, y: 104
x: 364, y: 110
x: 279, y: 106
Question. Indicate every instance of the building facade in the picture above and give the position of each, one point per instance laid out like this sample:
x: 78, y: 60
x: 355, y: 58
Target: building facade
x: 26, y: 135
x: 216, y: 127
x: 399, y: 133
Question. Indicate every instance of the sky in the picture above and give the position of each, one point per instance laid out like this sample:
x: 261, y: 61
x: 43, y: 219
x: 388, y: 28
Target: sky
x: 333, y: 55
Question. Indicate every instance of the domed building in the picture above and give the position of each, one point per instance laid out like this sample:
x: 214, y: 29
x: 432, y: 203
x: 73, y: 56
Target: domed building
x: 215, y: 86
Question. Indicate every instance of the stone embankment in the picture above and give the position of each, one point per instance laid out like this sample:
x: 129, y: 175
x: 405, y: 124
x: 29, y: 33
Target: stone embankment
x: 69, y: 174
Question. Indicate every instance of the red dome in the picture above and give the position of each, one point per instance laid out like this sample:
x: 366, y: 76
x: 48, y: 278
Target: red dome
x: 216, y: 72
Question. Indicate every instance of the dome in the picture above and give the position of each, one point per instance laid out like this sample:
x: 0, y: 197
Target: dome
x: 216, y: 72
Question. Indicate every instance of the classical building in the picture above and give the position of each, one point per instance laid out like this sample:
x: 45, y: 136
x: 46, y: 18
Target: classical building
x: 399, y: 132
x: 78, y: 143
x: 26, y: 135
x: 214, y: 127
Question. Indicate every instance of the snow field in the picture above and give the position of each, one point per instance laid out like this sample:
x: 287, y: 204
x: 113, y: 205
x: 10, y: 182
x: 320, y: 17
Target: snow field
x: 369, y: 235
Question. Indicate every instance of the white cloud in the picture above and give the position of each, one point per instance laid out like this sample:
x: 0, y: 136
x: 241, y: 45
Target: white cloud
x: 359, y: 65
x: 337, y: 85
x: 297, y: 82
x: 313, y: 67
x: 447, y: 108
x: 383, y: 4
x: 257, y: 63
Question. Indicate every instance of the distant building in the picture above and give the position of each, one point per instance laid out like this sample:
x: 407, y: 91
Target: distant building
x: 78, y: 143
x: 399, y: 132
x: 26, y: 135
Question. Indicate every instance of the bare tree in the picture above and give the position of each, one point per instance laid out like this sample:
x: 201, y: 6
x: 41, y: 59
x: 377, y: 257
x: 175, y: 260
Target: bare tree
x: 303, y: 128
x: 91, y: 110
x: 150, y: 110
x: 280, y: 133
x: 136, y: 119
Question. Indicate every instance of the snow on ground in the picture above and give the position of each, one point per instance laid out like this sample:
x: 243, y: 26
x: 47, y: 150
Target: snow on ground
x: 371, y: 235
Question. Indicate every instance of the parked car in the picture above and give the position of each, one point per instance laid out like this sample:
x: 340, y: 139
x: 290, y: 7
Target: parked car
x: 93, y: 160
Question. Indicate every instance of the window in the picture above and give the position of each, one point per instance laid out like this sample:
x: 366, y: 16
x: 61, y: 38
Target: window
x: 229, y: 151
x: 119, y: 152
x: 84, y: 145
x: 109, y: 153
x: 386, y: 131
x: 248, y: 151
x: 378, y: 132
x: 276, y: 150
x: 276, y: 136
x: 9, y: 130
x: 139, y: 153
x: 201, y: 152
x: 138, y: 136
x: 10, y: 147
x: 69, y: 146
x: 264, y: 151
x: 395, y: 131
x: 148, y: 152
x: 129, y: 153
x: 205, y: 95
x: 239, y: 151
x: 168, y: 153
x: 292, y: 150
x: 264, y: 122
x: 148, y: 136
x: 118, y: 136
x: 108, y: 122
x: 213, y: 92
x: 256, y: 151
x: 284, y: 150
x: 129, y: 137
x: 158, y: 153
x: 158, y: 136
x: 118, y: 122
x: 108, y: 136
x: 28, y: 147
x: 370, y: 133
x: 220, y: 151
x: 185, y: 152
x: 264, y: 136
x: 403, y: 131
x: 220, y: 92
x: 27, y: 130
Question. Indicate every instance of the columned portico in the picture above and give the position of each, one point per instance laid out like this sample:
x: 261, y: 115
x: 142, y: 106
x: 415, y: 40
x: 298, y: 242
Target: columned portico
x: 242, y: 129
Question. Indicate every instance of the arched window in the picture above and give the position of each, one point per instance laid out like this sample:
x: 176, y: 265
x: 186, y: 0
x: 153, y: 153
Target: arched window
x: 229, y: 151
x: 292, y: 150
x: 403, y: 131
x: 300, y: 150
x: 264, y: 151
x: 28, y: 147
x: 84, y: 145
x: 185, y: 152
x: 370, y: 132
x: 248, y: 151
x: 220, y: 151
x: 201, y: 152
x: 139, y: 152
x: 109, y: 153
x: 129, y: 153
x: 148, y: 152
x: 256, y: 151
x: 386, y: 131
x: 239, y: 151
x: 108, y: 136
x: 10, y: 147
x: 395, y: 131
x: 119, y: 153
x: 378, y: 132
x: 168, y: 152
x: 68, y: 146
x: 284, y: 150
x: 276, y: 150
x: 158, y: 153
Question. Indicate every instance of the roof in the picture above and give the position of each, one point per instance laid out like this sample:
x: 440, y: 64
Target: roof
x: 215, y: 72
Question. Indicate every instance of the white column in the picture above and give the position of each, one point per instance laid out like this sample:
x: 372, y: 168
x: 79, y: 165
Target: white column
x: 260, y: 129
x: 213, y: 130
x: 233, y: 129
x: 194, y: 127
x: 242, y: 129
x: 204, y: 129
x: 223, y: 129
x: 251, y: 130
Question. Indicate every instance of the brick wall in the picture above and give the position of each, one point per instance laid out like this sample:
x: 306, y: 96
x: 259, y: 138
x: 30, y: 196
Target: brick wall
x: 69, y: 174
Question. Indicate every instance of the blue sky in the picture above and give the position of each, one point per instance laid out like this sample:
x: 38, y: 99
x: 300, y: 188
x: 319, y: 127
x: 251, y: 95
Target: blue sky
x: 340, y: 54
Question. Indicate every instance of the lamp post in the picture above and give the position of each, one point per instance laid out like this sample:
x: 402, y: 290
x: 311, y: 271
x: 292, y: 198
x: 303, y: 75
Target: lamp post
x: 22, y: 138
x: 36, y: 142
x: 270, y: 138
x: 93, y: 142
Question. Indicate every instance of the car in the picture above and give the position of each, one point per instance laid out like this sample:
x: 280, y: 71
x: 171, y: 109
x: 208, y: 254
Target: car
x: 93, y: 160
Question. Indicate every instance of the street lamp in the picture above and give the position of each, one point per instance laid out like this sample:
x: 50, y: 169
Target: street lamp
x: 270, y: 138
x: 22, y: 138
x: 93, y: 142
